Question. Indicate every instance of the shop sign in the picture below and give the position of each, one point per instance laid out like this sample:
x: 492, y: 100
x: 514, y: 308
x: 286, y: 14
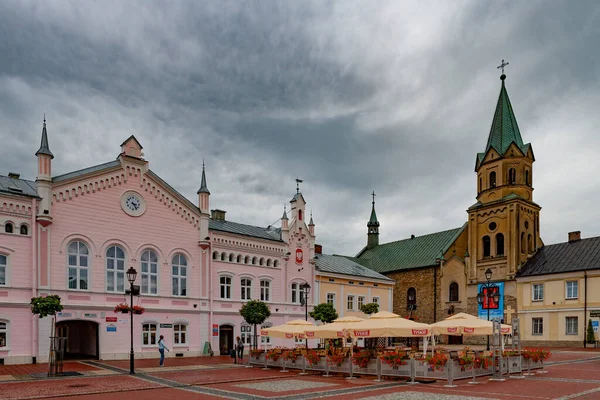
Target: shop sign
x: 111, y: 319
x: 215, y: 330
x: 111, y: 328
x: 87, y: 315
x: 166, y: 325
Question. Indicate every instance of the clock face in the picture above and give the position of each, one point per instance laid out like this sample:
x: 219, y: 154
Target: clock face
x: 133, y: 203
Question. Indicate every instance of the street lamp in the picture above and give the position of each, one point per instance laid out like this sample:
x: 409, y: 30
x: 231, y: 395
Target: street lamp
x: 304, y: 300
x: 131, y: 275
x: 489, y: 292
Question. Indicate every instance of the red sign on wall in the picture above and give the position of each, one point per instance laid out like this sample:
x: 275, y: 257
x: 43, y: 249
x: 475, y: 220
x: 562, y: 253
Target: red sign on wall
x: 111, y: 319
x: 299, y: 256
x: 362, y: 333
x: 215, y: 330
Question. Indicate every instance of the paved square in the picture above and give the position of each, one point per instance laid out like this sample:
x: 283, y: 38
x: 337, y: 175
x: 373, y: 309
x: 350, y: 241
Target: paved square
x: 422, y: 396
x: 285, y: 386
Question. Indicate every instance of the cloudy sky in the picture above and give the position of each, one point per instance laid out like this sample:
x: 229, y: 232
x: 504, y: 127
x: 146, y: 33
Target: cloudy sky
x: 350, y: 96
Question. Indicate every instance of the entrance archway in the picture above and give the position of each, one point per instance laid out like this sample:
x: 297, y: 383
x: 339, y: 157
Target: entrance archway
x: 225, y: 339
x: 82, y: 339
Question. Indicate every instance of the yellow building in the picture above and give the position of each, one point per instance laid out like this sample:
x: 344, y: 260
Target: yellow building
x: 559, y: 292
x: 348, y: 285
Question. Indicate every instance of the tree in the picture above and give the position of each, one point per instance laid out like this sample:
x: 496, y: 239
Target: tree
x: 324, y: 312
x: 370, y: 308
x: 44, y: 307
x: 255, y: 312
x: 591, y: 337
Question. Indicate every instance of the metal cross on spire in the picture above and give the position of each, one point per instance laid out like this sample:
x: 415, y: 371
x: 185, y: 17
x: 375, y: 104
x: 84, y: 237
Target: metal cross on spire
x: 504, y: 64
x: 373, y: 194
x: 298, y: 182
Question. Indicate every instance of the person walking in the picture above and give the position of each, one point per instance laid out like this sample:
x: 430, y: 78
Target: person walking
x: 161, y: 349
x: 240, y: 348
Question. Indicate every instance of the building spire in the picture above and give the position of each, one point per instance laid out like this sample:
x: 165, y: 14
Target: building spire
x: 284, y: 213
x: 373, y: 227
x: 203, y: 187
x: 311, y: 223
x: 373, y: 220
x: 44, y: 147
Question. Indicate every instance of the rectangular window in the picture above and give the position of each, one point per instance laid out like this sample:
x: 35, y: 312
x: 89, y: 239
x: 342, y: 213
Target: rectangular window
x: 149, y: 334
x: 537, y: 292
x: 572, y: 290
x: 572, y: 328
x: 115, y: 269
x: 246, y: 334
x: 3, y: 263
x: 179, y: 334
x: 350, y: 303
x: 265, y: 339
x: 225, y: 287
x: 246, y: 285
x: 264, y: 290
x: 331, y: 299
x: 179, y: 280
x: 376, y: 300
x: 361, y: 301
x: 537, y: 326
x: 3, y: 334
x: 149, y: 264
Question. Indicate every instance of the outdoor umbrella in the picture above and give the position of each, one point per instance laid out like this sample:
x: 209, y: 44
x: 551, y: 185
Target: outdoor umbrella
x: 387, y: 324
x: 465, y: 324
x: 289, y: 330
x: 336, y: 329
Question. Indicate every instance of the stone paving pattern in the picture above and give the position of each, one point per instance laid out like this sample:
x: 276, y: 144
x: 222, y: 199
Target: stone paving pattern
x: 572, y: 374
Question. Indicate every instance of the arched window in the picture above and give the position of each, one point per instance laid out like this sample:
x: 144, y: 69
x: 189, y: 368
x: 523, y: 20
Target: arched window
x: 480, y: 184
x: 275, y: 263
x: 411, y: 297
x: 115, y: 269
x: 215, y: 255
x: 265, y: 290
x: 240, y: 258
x: 179, y: 270
x: 223, y: 256
x: 247, y: 260
x: 453, y: 292
x: 3, y: 266
x: 300, y: 215
x: 254, y: 260
x: 527, y: 177
x: 246, y: 287
x: 149, y: 267
x: 523, y: 244
x: 512, y: 176
x: 8, y: 227
x: 262, y: 261
x: 225, y: 282
x: 499, y: 244
x: 486, y: 246
x: 231, y: 257
x: 493, y: 179
x: 78, y: 265
x: 24, y: 229
x: 530, y: 243
x: 269, y: 262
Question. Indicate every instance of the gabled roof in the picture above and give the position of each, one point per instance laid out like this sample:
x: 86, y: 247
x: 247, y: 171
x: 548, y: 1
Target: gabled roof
x: 296, y: 197
x: 134, y: 138
x: 85, y: 171
x: 580, y: 255
x: 420, y: 251
x: 17, y: 186
x: 268, y: 233
x: 346, y: 266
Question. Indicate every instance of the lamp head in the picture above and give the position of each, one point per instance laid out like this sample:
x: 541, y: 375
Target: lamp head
x: 480, y: 297
x: 488, y: 274
x: 131, y: 274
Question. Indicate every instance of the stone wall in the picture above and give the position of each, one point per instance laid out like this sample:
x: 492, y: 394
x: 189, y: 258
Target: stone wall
x: 422, y: 279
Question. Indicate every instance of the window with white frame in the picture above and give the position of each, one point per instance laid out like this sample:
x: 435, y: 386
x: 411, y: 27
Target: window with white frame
x: 537, y: 292
x: 295, y: 296
x: 331, y: 299
x: 149, y: 334
x: 572, y: 290
x: 225, y: 282
x: 350, y: 303
x: 179, y: 334
x: 3, y: 334
x: 179, y: 270
x: 265, y: 289
x: 3, y: 267
x: 361, y: 301
x: 265, y: 339
x: 246, y: 334
x: 149, y: 263
x: 246, y: 289
x: 537, y: 326
x: 572, y: 326
x: 78, y: 265
x: 115, y: 269
x: 376, y: 300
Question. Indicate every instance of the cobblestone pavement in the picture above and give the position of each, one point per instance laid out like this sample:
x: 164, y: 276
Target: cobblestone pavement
x: 572, y: 374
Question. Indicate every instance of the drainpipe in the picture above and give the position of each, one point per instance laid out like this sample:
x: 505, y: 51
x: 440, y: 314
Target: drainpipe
x: 34, y: 281
x: 435, y: 293
x: 585, y: 307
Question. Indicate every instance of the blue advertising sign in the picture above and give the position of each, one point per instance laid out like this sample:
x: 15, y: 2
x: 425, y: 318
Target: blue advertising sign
x: 496, y: 309
x: 111, y: 328
x: 595, y: 325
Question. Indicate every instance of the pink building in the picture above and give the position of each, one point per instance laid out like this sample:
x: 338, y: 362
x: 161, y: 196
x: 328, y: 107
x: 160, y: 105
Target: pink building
x: 76, y: 234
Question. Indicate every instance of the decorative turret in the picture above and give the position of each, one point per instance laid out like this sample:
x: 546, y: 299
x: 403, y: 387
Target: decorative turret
x: 203, y: 193
x: 285, y: 230
x: 44, y: 178
x: 373, y: 227
x: 311, y: 226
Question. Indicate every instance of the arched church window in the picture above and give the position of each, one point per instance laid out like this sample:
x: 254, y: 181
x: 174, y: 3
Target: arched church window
x: 23, y: 229
x: 493, y: 179
x: 8, y: 227
x: 411, y: 298
x: 499, y: 244
x: 527, y: 177
x: 215, y: 255
x: 453, y: 292
x: 523, y: 244
x: 486, y: 246
x: 231, y: 257
x: 512, y: 176
x: 530, y: 243
x: 480, y: 184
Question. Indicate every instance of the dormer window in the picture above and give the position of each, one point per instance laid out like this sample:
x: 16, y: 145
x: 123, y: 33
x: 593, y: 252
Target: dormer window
x: 493, y: 179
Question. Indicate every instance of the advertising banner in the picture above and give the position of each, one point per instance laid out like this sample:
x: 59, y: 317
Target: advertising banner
x: 496, y: 309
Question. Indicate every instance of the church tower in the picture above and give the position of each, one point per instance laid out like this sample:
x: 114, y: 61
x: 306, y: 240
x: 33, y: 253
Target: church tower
x: 373, y: 228
x: 504, y: 223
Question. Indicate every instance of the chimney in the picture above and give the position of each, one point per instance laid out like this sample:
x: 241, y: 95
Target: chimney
x: 13, y: 175
x: 218, y: 215
x: 574, y: 236
x: 318, y: 249
x: 412, y: 236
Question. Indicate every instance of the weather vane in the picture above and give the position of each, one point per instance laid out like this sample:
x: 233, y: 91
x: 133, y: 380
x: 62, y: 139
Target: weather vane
x: 373, y: 194
x: 504, y: 64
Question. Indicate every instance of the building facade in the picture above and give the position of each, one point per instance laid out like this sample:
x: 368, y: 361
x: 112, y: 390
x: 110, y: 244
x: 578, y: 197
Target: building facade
x: 76, y: 234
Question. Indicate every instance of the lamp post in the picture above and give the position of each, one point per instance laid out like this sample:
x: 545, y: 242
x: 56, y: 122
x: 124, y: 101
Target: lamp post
x: 131, y: 275
x: 305, y: 291
x: 488, y: 294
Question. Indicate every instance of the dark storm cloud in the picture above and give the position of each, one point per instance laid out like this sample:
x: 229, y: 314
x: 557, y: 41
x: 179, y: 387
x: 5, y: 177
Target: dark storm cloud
x: 351, y: 96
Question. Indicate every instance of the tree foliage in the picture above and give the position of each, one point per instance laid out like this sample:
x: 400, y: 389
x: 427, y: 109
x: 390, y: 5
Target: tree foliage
x: 45, y: 306
x: 591, y: 338
x: 324, y: 312
x: 255, y: 312
x: 370, y: 308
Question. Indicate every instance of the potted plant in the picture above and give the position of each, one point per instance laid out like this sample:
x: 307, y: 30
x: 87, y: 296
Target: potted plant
x: 312, y: 357
x: 482, y: 362
x: 361, y: 360
x: 392, y: 358
x: 273, y: 354
x: 590, y: 335
x: 437, y: 361
x: 255, y: 353
x: 138, y: 310
x: 289, y: 355
x: 122, y: 308
x: 335, y: 359
x: 466, y: 359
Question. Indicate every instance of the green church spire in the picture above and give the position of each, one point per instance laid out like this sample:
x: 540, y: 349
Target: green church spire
x: 373, y: 228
